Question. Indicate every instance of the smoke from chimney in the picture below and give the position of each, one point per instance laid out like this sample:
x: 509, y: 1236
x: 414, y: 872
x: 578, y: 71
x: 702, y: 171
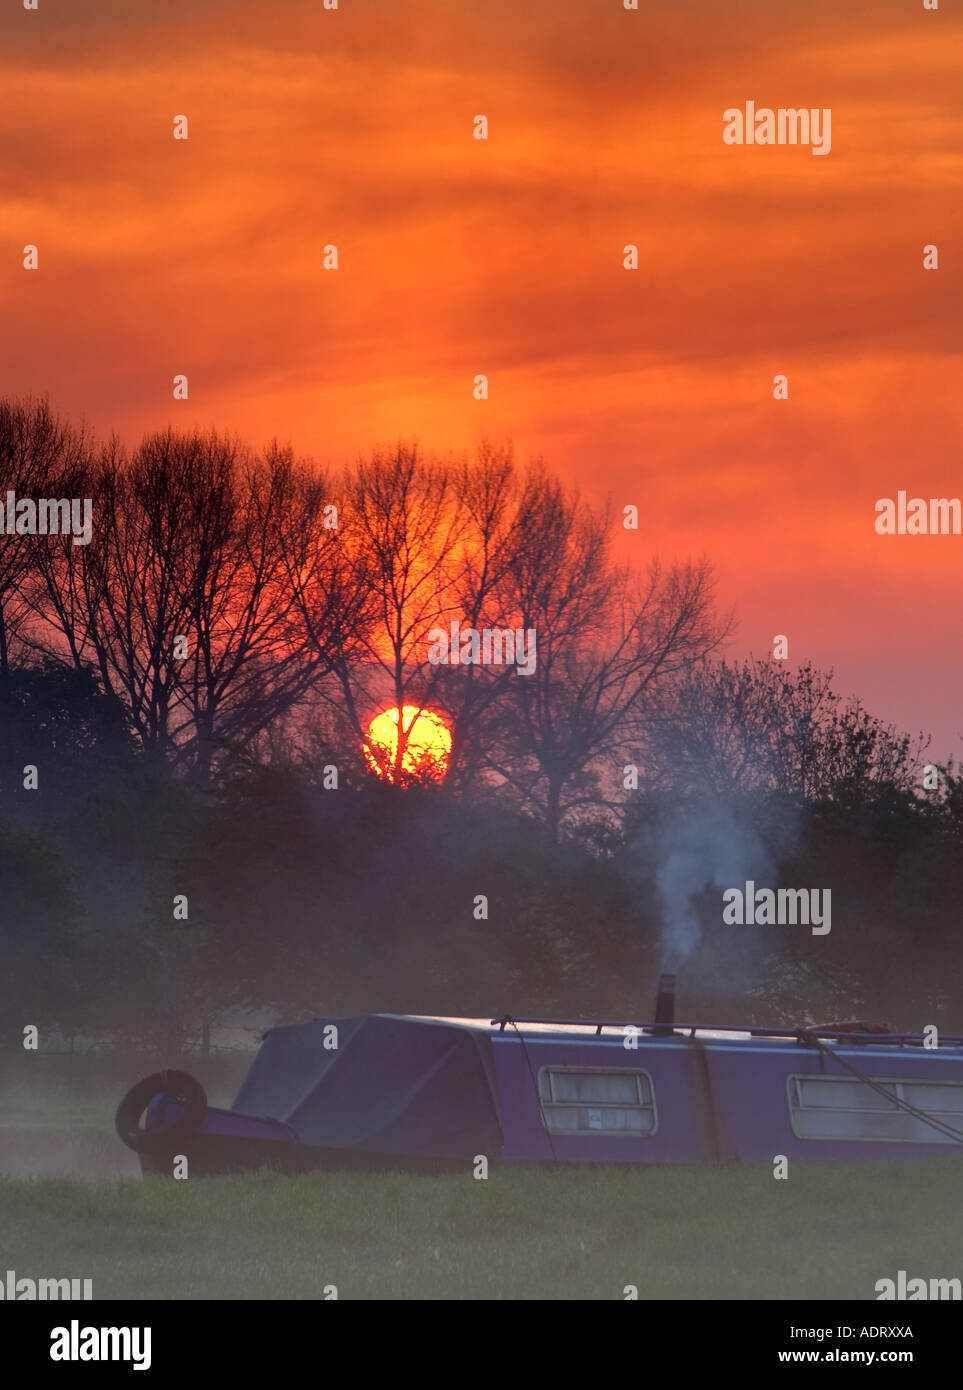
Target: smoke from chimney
x: 706, y: 845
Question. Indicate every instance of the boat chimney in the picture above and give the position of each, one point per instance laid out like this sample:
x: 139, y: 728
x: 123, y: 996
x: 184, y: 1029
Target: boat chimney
x: 665, y: 1005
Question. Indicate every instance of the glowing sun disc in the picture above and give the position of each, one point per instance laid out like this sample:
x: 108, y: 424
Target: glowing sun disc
x: 426, y: 744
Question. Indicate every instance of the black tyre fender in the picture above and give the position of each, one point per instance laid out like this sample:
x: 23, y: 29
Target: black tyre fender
x: 179, y: 1084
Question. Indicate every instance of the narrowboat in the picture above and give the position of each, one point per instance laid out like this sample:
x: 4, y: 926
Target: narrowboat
x: 386, y: 1091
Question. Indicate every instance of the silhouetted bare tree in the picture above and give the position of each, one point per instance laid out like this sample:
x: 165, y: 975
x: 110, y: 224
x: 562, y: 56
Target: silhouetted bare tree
x: 758, y: 725
x: 406, y: 523
x: 606, y: 639
x: 184, y: 598
x: 40, y: 456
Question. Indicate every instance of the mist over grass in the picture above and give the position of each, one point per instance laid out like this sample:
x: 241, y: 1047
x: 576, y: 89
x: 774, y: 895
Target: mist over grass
x: 828, y: 1232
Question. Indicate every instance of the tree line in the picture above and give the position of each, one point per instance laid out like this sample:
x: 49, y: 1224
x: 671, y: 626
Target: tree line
x: 181, y: 682
x: 225, y: 592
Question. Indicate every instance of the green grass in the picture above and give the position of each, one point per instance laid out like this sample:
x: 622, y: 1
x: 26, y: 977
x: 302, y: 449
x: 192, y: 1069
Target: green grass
x: 830, y: 1231
x: 675, y: 1232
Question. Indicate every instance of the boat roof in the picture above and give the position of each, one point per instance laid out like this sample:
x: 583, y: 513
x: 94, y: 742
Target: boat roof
x: 564, y: 1027
x: 830, y: 1036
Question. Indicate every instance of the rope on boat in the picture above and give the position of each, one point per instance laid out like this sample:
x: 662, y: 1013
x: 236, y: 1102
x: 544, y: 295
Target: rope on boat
x: 538, y: 1094
x: 806, y: 1036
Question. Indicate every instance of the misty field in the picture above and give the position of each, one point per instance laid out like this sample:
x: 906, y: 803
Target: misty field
x: 674, y: 1232
x: 727, y: 1233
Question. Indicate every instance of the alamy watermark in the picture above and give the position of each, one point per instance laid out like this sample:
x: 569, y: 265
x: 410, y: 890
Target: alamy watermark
x: 47, y: 516
x: 778, y: 907
x: 27, y: 1290
x: 914, y: 1290
x: 76, y: 1343
x: 783, y: 126
x: 491, y: 646
x: 918, y: 516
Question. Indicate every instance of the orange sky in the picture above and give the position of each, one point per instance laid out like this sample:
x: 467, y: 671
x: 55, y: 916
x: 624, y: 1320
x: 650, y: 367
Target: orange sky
x: 505, y: 257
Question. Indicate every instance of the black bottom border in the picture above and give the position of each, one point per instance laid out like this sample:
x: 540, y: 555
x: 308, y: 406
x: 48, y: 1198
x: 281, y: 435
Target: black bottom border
x: 345, y: 1336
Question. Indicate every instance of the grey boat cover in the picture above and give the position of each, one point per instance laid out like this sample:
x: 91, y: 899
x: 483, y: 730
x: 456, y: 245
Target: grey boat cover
x: 393, y: 1085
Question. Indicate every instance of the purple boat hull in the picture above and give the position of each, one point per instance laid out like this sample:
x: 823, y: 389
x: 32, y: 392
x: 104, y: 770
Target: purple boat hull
x: 430, y: 1095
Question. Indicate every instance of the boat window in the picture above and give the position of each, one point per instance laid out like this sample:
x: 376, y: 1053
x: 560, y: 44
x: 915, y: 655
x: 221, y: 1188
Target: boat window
x: 580, y: 1100
x: 837, y: 1107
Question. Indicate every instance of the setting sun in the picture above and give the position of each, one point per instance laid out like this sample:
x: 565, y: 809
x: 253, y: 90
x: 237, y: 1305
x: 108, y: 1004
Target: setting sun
x: 425, y: 744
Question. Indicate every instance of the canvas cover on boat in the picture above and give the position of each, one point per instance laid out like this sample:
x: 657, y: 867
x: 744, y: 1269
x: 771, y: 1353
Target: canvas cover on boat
x: 393, y: 1085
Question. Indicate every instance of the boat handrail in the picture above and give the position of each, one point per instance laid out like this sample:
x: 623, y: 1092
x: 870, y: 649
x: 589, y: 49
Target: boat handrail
x: 664, y: 1029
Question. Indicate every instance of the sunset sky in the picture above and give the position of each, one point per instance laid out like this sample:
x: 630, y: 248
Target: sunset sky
x: 504, y: 257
